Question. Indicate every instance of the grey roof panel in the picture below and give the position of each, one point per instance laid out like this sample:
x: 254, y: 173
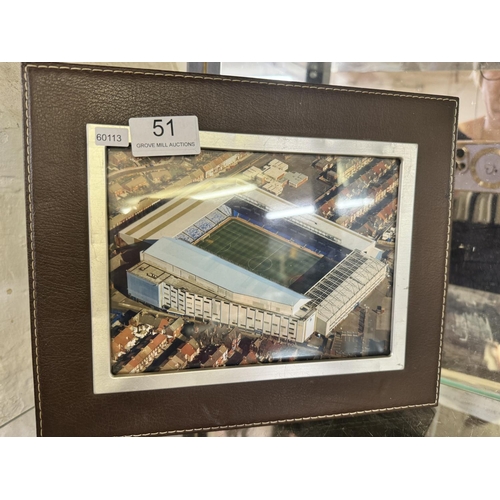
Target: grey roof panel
x: 220, y: 272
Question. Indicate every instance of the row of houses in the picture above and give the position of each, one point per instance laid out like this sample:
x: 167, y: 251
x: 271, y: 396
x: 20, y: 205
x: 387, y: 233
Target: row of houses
x: 184, y: 355
x: 358, y: 187
x: 240, y: 350
x: 344, y: 167
x: 234, y: 350
x: 373, y: 198
x: 364, y: 188
x: 120, y: 159
x: 157, y: 178
x: 222, y: 162
x: 273, y: 177
x: 187, y: 353
x: 378, y: 223
x: 190, y: 353
x: 348, y: 168
x: 211, y: 169
x: 119, y: 190
x: 123, y: 345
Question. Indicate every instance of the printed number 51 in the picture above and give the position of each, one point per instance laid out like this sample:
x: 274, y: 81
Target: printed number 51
x: 158, y: 129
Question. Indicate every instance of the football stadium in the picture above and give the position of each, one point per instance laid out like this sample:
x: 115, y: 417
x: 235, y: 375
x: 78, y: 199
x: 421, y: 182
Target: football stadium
x: 258, y: 251
x: 223, y: 259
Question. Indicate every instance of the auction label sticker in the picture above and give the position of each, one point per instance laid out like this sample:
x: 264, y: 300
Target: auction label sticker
x: 107, y: 136
x: 165, y: 136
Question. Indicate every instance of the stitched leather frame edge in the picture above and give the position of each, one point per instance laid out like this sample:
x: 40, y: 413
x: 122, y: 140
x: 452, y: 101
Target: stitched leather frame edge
x: 32, y: 227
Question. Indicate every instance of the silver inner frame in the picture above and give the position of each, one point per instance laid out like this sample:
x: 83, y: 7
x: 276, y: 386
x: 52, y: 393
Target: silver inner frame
x: 106, y: 382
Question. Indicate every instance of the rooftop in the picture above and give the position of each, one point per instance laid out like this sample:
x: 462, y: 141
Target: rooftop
x: 137, y: 181
x: 343, y: 282
x: 217, y: 161
x: 295, y: 176
x: 215, y: 270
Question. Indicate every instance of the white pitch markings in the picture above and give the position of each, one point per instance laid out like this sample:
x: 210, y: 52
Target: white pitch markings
x: 232, y: 233
x: 269, y: 256
x: 237, y: 236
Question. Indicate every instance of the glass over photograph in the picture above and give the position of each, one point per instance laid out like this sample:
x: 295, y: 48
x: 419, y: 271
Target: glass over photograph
x: 234, y: 258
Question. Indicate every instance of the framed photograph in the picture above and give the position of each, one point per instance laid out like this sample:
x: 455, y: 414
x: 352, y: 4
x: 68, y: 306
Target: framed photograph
x: 293, y: 268
x: 273, y: 255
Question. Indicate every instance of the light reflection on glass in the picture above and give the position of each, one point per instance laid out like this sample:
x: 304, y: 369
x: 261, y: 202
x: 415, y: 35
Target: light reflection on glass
x: 279, y: 214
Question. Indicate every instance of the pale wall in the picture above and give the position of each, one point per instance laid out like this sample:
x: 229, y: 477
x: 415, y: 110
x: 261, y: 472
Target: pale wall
x: 16, y: 379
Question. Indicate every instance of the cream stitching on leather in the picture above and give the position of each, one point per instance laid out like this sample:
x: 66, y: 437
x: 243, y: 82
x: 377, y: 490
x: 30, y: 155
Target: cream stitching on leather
x: 32, y: 250
x: 448, y: 238
x: 231, y: 79
x: 283, y: 421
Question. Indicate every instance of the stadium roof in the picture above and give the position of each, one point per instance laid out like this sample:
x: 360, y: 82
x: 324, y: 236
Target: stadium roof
x: 343, y: 283
x: 220, y: 272
x: 178, y: 214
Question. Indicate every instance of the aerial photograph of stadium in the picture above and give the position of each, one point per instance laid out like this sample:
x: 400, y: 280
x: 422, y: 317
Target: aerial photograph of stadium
x: 235, y: 258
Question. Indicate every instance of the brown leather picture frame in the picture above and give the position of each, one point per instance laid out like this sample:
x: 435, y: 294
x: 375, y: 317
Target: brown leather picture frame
x: 61, y: 100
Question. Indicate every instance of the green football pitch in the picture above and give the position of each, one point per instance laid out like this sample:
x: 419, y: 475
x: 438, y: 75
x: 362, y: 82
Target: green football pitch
x: 257, y: 251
